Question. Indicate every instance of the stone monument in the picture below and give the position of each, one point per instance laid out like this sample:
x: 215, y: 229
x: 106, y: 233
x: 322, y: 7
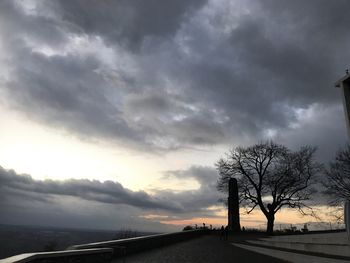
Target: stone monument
x: 233, y: 206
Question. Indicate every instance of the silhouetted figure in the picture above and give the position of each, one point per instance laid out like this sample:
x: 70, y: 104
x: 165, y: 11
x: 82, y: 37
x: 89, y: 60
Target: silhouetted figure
x: 222, y: 232
x: 226, y: 232
x: 203, y: 225
x: 243, y: 229
x: 196, y: 226
x: 211, y: 227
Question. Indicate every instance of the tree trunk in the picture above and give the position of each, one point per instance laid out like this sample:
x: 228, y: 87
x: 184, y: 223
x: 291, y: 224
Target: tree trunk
x: 270, y: 223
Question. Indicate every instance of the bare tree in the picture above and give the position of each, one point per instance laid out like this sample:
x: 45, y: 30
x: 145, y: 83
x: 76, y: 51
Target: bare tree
x: 270, y: 176
x: 338, y: 178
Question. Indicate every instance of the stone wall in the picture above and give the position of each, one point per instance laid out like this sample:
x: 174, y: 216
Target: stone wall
x: 131, y: 245
x: 103, y: 252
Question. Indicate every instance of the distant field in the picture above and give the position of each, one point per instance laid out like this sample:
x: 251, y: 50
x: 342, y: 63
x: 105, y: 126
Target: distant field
x: 23, y: 239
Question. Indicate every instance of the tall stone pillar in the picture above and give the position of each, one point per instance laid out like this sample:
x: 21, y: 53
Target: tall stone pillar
x: 233, y: 206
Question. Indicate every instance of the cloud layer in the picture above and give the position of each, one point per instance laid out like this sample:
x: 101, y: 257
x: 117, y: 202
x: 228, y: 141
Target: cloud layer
x: 170, y: 75
x: 27, y: 200
x: 105, y: 192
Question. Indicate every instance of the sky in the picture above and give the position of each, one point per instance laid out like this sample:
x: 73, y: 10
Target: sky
x: 113, y: 113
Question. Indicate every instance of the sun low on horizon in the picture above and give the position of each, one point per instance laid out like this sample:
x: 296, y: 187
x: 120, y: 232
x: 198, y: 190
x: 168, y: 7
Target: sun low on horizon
x: 115, y: 113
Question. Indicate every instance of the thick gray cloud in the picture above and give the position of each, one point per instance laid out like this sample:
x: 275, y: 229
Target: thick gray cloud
x: 77, y: 213
x: 166, y: 75
x: 104, y: 192
x: 128, y: 22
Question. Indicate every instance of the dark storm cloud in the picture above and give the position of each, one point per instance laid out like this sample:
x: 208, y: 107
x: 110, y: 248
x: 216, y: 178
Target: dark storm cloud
x: 72, y: 212
x: 172, y: 74
x: 40, y: 201
x: 79, y: 104
x: 128, y: 22
x: 298, y: 45
x: 12, y: 184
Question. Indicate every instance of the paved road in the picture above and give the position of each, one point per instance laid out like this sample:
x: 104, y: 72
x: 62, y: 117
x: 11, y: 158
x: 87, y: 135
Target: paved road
x: 207, y: 249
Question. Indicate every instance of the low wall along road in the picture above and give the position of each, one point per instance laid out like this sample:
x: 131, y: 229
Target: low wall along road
x: 102, y: 252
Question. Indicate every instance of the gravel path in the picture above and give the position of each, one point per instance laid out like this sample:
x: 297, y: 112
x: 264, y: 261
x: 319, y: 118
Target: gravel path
x: 204, y: 249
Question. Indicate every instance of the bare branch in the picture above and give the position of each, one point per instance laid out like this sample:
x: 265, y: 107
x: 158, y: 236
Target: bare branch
x: 337, y: 180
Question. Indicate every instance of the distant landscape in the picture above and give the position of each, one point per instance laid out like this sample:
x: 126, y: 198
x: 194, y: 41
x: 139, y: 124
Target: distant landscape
x: 16, y: 240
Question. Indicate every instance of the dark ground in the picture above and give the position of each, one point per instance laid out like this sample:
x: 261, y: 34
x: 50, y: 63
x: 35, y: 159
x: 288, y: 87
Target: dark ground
x: 207, y: 249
